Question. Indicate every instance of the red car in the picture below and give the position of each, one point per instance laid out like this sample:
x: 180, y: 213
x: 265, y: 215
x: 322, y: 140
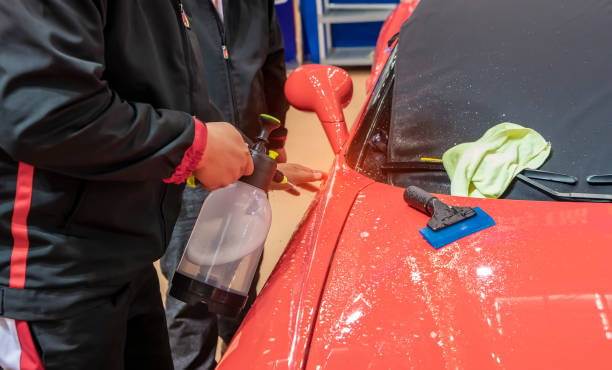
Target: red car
x: 358, y: 287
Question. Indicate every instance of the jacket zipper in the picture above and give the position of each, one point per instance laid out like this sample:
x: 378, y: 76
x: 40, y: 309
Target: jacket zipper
x: 188, y: 53
x: 184, y: 16
x: 184, y: 19
x: 228, y: 63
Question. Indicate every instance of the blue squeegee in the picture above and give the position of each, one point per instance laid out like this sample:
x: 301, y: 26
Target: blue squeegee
x: 447, y: 223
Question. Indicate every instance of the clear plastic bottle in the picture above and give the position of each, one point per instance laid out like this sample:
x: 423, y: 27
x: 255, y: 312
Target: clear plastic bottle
x: 226, y: 243
x: 224, y: 249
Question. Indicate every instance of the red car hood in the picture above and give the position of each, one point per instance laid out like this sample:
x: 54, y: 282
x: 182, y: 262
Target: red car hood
x: 533, y: 291
x: 359, y: 288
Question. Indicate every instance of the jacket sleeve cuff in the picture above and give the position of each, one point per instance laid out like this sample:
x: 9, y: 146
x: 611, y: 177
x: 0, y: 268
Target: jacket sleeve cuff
x: 192, y: 155
x: 277, y: 138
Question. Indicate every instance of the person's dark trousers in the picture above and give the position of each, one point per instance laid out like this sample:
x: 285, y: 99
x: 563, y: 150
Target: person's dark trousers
x: 125, y: 330
x: 228, y: 326
x: 193, y: 335
x: 193, y: 330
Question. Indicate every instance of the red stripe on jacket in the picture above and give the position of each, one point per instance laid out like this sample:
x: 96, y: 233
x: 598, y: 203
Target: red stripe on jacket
x: 19, y: 225
x: 29, y: 360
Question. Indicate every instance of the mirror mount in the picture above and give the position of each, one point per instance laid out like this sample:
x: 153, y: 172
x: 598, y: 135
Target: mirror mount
x: 325, y: 90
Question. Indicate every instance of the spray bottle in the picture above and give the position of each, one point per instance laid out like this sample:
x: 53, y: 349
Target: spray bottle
x: 226, y: 243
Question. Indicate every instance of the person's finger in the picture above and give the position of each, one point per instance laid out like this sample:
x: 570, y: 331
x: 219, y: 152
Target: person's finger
x: 293, y: 175
x: 302, y: 175
x: 289, y: 187
x: 249, y: 166
x: 279, y: 186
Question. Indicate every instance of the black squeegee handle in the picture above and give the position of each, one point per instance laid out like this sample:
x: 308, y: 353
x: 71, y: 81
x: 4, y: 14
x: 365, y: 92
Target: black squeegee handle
x: 420, y: 199
x: 442, y: 215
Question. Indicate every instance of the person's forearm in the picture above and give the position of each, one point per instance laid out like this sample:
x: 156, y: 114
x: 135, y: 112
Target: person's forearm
x: 60, y: 115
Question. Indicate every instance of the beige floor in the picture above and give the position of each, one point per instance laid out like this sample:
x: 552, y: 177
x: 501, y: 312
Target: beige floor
x: 307, y: 145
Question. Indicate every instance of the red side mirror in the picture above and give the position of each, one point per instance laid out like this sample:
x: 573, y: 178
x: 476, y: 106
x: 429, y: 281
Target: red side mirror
x: 325, y: 90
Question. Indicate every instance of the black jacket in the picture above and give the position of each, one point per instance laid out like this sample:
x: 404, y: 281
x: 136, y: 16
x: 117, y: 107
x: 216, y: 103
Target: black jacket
x: 245, y: 79
x: 96, y: 105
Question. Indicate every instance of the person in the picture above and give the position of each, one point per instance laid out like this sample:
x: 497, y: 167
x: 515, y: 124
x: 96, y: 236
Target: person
x: 245, y: 64
x: 101, y: 111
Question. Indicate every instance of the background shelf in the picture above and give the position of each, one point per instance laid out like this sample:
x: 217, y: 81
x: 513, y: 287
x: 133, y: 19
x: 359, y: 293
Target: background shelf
x: 343, y: 33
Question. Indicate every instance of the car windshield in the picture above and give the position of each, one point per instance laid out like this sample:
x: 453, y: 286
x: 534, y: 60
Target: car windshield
x: 460, y: 68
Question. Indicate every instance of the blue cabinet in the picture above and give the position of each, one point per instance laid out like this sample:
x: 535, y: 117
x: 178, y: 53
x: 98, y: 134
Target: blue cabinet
x: 284, y: 12
x: 343, y: 32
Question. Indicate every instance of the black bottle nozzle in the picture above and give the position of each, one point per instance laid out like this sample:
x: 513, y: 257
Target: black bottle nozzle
x: 267, y: 124
x: 265, y: 166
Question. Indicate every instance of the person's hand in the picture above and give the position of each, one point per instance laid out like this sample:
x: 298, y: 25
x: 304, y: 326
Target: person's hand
x: 225, y: 159
x: 296, y: 175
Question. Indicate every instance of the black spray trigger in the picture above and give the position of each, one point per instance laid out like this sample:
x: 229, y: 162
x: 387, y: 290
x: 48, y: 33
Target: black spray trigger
x: 264, y: 166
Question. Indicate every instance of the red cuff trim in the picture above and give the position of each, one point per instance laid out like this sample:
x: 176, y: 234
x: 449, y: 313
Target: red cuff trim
x: 277, y: 138
x: 192, y: 155
x: 277, y: 142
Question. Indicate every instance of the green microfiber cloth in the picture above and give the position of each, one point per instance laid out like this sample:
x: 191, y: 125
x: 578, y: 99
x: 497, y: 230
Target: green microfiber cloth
x: 484, y: 168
